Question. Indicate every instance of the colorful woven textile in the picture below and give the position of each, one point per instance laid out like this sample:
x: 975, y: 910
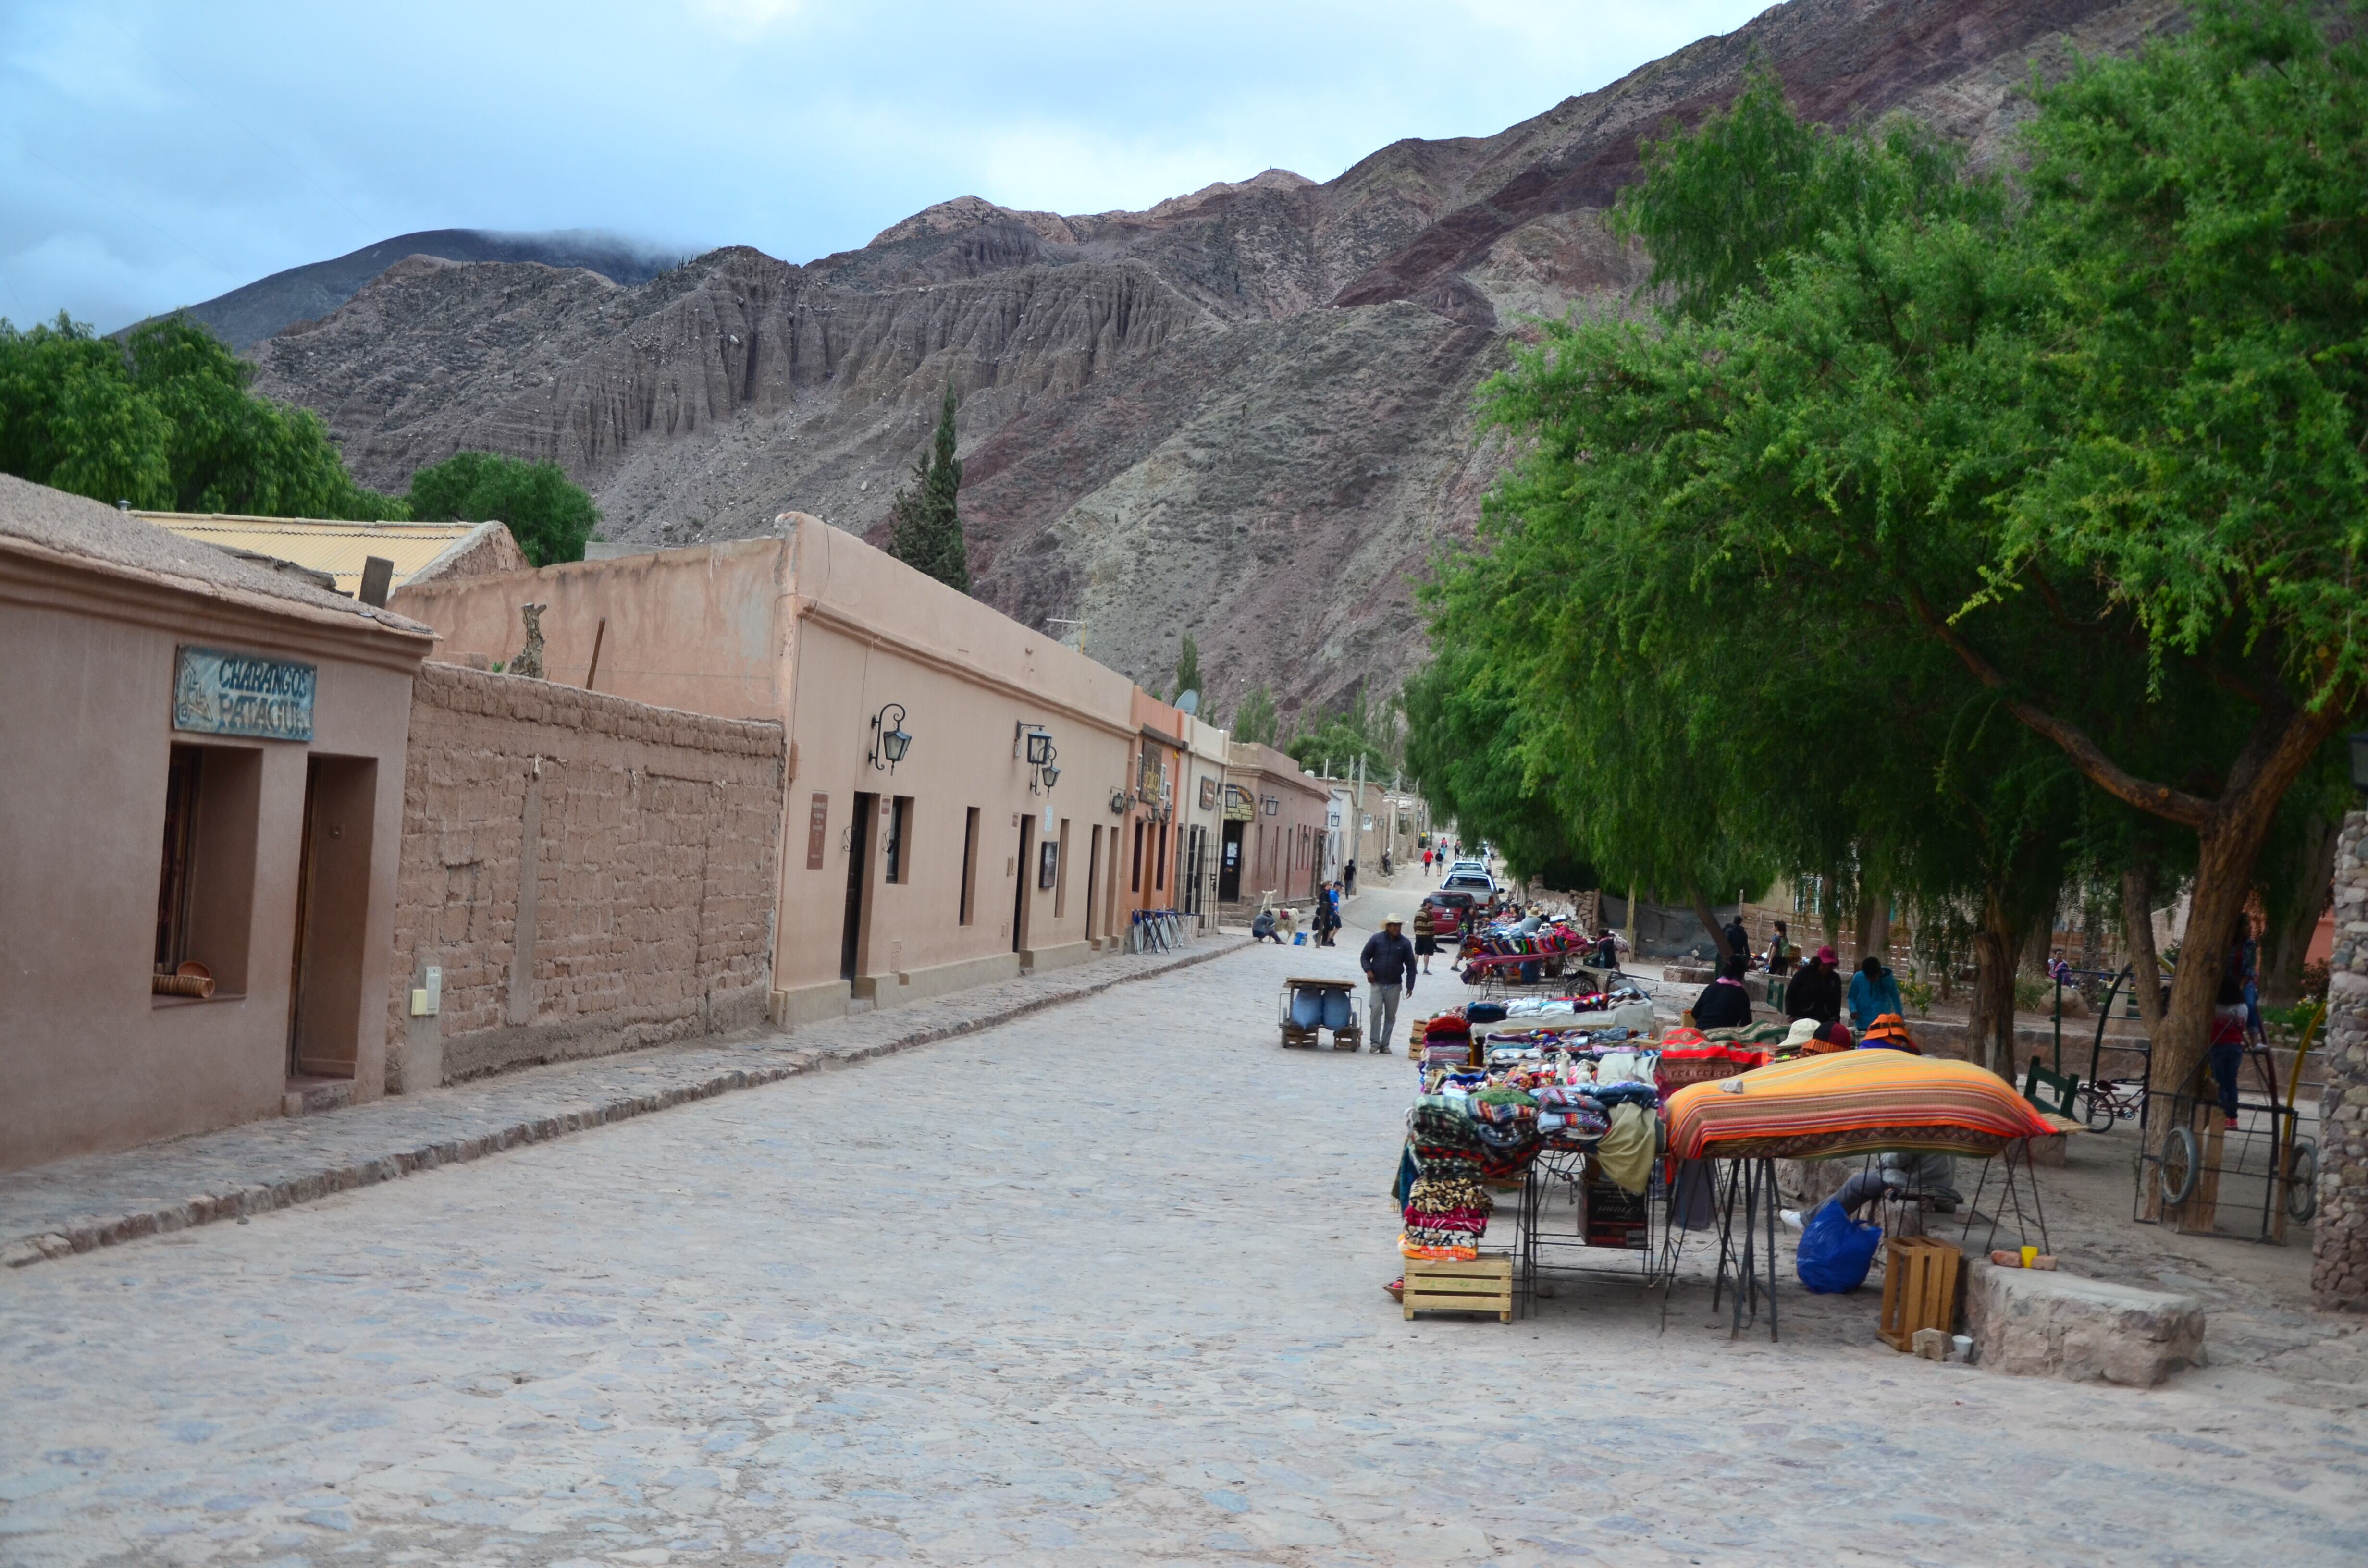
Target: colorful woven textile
x: 1850, y: 1104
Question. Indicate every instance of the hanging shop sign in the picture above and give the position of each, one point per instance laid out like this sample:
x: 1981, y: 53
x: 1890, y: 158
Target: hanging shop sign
x: 1208, y: 794
x: 219, y: 693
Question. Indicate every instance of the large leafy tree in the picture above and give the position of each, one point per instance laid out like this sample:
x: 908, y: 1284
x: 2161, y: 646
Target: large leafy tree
x: 2076, y: 484
x: 163, y: 419
x: 550, y: 515
x: 924, y: 526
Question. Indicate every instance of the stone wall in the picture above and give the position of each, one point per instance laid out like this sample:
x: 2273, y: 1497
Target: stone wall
x: 629, y: 851
x: 2338, y: 1273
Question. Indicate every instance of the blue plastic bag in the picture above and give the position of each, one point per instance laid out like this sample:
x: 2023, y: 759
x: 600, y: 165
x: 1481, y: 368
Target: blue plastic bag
x: 1836, y: 1251
x: 1299, y: 938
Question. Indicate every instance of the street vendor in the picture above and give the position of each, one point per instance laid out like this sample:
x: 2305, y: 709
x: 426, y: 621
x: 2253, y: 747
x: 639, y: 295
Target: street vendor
x: 1874, y: 991
x: 1389, y: 965
x: 1724, y: 1004
x: 1816, y: 991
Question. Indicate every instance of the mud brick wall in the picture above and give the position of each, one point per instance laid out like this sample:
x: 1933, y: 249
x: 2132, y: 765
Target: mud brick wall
x: 591, y: 874
x: 2339, y: 1264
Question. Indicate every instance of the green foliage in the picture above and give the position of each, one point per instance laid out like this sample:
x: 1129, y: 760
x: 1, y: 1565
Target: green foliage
x: 1188, y: 668
x: 550, y: 515
x: 164, y: 420
x: 1920, y: 509
x: 1255, y: 719
x: 925, y: 528
x: 1363, y: 731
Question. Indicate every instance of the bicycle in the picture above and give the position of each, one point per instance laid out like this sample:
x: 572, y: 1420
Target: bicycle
x: 2114, y: 1100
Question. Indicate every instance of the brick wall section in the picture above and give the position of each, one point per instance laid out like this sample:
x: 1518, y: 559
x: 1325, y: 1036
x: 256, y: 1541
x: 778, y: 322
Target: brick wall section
x: 2338, y: 1272
x: 657, y: 861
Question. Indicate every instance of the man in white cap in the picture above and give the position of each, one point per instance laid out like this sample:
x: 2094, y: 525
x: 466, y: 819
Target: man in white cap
x: 1390, y: 969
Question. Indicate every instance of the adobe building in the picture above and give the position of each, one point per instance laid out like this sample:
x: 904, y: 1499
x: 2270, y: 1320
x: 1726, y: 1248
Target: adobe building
x: 341, y: 551
x: 1275, y: 817
x: 204, y: 764
x: 958, y: 784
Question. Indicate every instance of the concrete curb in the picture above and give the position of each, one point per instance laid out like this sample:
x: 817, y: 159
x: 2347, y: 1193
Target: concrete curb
x: 203, y: 1209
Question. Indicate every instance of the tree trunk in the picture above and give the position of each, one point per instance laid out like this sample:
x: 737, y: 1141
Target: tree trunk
x: 2137, y: 934
x: 2287, y: 941
x: 1709, y: 918
x: 1989, y: 1023
x: 1830, y: 905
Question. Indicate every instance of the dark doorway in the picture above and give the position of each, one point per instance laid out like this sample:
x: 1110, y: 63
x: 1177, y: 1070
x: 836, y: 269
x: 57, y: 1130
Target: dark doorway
x: 858, y: 856
x: 1019, y: 895
x: 1196, y: 852
x: 325, y: 1003
x: 1093, y: 881
x: 1229, y: 870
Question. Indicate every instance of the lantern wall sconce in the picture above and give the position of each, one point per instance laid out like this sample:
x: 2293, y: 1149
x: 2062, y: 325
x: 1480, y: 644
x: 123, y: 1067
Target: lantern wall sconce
x: 889, y: 741
x: 1035, y: 743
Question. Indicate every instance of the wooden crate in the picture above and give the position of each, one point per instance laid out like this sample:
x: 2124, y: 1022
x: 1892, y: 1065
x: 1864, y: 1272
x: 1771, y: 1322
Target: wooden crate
x: 1920, y: 1288
x: 1484, y: 1284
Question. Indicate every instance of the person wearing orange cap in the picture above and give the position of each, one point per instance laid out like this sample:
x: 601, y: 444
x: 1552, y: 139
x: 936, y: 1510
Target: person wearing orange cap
x: 1889, y: 1032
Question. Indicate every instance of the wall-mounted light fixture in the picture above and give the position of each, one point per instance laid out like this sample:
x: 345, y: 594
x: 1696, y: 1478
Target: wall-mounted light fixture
x: 889, y: 741
x: 1035, y: 743
x: 1118, y: 802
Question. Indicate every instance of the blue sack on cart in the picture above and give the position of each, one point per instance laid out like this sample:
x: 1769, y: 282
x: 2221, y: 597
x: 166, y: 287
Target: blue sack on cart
x: 1836, y: 1251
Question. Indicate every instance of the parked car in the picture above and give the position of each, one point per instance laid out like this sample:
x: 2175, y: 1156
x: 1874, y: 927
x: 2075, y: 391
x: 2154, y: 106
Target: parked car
x: 1480, y: 884
x: 1451, y: 913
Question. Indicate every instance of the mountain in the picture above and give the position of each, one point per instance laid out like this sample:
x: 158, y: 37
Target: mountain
x: 245, y: 316
x: 1245, y: 412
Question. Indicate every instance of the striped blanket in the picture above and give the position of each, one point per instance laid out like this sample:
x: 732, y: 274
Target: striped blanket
x: 1849, y: 1103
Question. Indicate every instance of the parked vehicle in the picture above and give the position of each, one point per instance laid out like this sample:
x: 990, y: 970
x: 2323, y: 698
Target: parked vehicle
x: 1479, y: 883
x: 1452, y: 912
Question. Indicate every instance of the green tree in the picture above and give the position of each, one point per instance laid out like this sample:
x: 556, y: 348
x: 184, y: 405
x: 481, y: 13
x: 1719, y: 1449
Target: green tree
x: 925, y: 528
x: 550, y: 515
x: 1255, y: 721
x: 1372, y: 733
x: 164, y: 421
x: 2102, y: 452
x: 1188, y: 668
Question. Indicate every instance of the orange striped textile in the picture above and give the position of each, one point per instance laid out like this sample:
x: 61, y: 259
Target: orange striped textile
x: 1850, y: 1103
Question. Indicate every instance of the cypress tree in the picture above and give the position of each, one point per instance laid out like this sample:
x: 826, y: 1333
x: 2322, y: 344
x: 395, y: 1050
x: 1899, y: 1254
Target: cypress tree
x: 925, y: 530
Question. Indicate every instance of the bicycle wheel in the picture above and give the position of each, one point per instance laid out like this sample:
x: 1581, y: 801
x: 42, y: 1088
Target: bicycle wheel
x: 2100, y: 1116
x: 2180, y: 1165
x: 2301, y: 1180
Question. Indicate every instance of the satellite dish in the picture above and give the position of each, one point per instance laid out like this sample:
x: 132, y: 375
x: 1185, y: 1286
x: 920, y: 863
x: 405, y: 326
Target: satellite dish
x: 1190, y: 702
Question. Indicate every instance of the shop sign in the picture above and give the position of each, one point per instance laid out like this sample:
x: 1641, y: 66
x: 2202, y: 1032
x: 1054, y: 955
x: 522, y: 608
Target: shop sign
x: 1208, y: 794
x: 1240, y: 806
x: 219, y: 693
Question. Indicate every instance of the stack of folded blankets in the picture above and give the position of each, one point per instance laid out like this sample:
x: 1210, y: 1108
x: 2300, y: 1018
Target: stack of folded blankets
x: 1447, y: 1205
x: 1507, y: 1119
x: 1447, y: 1040
x: 1570, y: 1117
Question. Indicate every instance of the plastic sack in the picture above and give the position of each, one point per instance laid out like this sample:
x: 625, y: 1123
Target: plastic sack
x: 1306, y: 1008
x: 1336, y: 1010
x: 1836, y: 1251
x: 1299, y: 938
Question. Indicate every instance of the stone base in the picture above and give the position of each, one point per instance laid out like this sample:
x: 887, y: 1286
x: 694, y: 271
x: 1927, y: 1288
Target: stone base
x: 2035, y: 1323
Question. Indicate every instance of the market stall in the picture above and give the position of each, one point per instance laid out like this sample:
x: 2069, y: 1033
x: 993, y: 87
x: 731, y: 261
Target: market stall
x: 1622, y: 1143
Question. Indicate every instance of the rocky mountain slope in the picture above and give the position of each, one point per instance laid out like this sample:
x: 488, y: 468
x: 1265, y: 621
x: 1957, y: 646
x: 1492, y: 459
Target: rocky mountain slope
x: 248, y: 314
x: 1244, y: 414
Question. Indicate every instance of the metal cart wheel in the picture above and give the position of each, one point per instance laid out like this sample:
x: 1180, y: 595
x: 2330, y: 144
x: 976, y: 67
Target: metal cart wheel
x: 2301, y: 1180
x: 2181, y: 1163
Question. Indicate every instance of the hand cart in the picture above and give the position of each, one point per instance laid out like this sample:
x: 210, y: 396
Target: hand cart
x: 1310, y: 1006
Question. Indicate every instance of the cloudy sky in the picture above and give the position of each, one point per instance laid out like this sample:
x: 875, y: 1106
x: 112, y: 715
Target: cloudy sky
x: 157, y: 153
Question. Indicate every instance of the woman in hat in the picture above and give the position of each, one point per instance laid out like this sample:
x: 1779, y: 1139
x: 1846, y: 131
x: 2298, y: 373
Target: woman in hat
x: 1816, y: 991
x: 1889, y: 1032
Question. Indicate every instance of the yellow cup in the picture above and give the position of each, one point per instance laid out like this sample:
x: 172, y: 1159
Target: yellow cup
x: 2027, y: 1255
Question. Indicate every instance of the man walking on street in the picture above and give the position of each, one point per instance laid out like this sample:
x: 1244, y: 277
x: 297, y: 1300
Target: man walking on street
x: 1389, y: 965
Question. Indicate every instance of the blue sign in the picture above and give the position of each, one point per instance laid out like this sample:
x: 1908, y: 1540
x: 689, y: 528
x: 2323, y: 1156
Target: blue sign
x: 217, y: 693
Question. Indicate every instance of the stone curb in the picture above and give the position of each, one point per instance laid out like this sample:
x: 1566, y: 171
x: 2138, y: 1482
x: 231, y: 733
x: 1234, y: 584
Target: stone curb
x: 203, y: 1209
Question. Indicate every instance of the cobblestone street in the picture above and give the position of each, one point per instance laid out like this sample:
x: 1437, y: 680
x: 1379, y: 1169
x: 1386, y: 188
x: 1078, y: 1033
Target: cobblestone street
x: 1099, y: 1285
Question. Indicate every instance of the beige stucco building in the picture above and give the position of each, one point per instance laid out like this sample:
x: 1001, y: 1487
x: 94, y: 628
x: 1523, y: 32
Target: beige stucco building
x: 203, y: 764
x: 960, y: 784
x: 1275, y: 815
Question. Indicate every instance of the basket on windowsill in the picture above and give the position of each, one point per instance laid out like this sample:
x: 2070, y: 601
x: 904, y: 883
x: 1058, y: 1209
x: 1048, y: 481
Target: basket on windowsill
x: 193, y: 980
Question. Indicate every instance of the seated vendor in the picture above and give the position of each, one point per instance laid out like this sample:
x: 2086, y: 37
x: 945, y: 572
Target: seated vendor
x: 1724, y: 1004
x: 1889, y: 1032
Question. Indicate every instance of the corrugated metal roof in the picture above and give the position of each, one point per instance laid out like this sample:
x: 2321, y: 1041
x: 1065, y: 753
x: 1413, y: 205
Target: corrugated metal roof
x: 338, y: 549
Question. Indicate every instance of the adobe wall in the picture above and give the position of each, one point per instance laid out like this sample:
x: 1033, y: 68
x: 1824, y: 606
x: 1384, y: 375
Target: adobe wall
x: 654, y: 839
